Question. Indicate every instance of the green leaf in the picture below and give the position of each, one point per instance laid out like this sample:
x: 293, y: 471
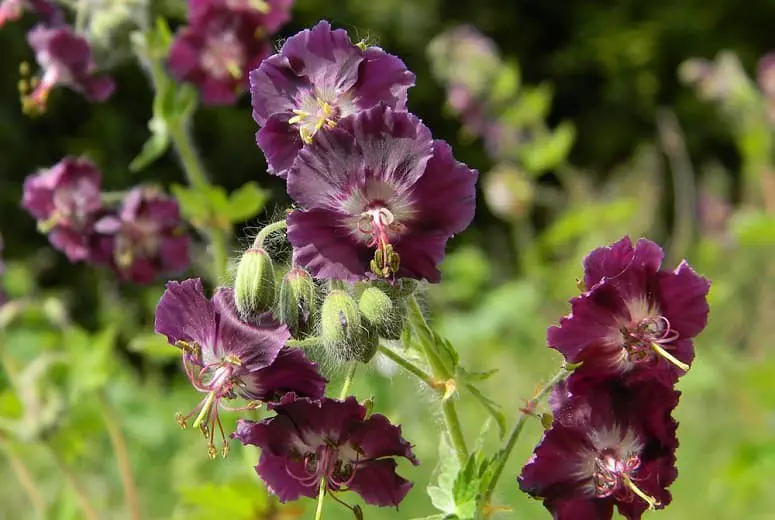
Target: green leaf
x: 506, y: 83
x: 153, y: 346
x: 246, y: 202
x: 446, y: 353
x: 550, y: 151
x: 531, y: 108
x: 492, y: 408
x: 194, y: 204
x: 442, y: 495
x: 90, y: 358
x: 156, y: 145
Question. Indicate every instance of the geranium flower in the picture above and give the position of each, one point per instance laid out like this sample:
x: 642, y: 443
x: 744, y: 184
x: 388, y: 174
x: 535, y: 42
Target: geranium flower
x: 635, y: 318
x: 218, y: 49
x: 270, y: 14
x: 310, y: 443
x: 65, y: 58
x: 145, y: 237
x: 65, y: 199
x: 319, y: 77
x: 608, y: 445
x: 380, y: 198
x: 226, y: 358
x: 48, y: 12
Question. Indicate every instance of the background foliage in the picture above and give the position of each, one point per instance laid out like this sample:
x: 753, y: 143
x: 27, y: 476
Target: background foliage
x: 650, y: 156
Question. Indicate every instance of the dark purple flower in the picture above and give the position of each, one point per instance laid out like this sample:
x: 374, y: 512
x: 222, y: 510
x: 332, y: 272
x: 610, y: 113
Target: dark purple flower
x: 65, y: 59
x: 608, y: 445
x: 380, y: 198
x: 217, y: 51
x: 270, y: 14
x: 319, y: 77
x: 309, y: 441
x: 48, y: 12
x: 146, y: 237
x: 226, y: 358
x: 65, y: 200
x: 635, y: 318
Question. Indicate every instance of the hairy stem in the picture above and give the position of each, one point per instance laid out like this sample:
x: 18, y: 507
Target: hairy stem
x: 280, y: 225
x: 407, y: 365
x: 505, y: 453
x: 439, y: 372
x: 348, y: 380
x: 118, y: 442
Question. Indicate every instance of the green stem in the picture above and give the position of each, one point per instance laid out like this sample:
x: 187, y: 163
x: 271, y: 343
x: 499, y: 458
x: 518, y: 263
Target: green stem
x: 312, y: 341
x: 505, y: 453
x: 268, y: 230
x: 348, y: 380
x: 118, y: 441
x: 407, y: 365
x: 321, y: 499
x: 26, y: 480
x: 439, y: 373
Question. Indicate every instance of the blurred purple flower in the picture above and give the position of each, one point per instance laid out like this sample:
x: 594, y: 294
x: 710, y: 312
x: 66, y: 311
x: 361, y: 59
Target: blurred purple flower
x: 635, y: 318
x: 608, y: 445
x: 319, y: 77
x: 270, y: 14
x: 65, y: 200
x: 309, y: 441
x: 380, y: 198
x: 226, y: 358
x: 218, y: 49
x: 48, y: 12
x: 144, y: 238
x: 65, y: 58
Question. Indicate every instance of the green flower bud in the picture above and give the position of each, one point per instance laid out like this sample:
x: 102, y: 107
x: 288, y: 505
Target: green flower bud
x: 254, y: 283
x: 384, y: 314
x: 297, y: 302
x: 345, y: 336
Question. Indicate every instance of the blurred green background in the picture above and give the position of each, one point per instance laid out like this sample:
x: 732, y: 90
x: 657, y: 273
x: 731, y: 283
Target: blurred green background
x: 606, y: 130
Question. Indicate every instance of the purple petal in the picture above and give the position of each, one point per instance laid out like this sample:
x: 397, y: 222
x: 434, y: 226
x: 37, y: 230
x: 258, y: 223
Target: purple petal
x: 256, y: 345
x: 377, y: 482
x: 183, y: 56
x: 445, y: 194
x: 581, y: 509
x: 611, y: 261
x: 377, y: 438
x: 291, y: 371
x: 98, y: 88
x: 327, y: 57
x: 274, y: 87
x: 684, y: 300
x: 73, y: 243
x: 550, y: 473
x: 184, y: 313
x: 420, y: 256
x: 280, y: 143
x: 382, y: 78
x: 276, y: 471
x: 326, y: 248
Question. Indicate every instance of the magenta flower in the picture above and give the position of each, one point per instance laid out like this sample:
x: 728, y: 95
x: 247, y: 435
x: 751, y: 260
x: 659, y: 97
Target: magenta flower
x: 218, y: 50
x: 310, y: 441
x: 270, y: 14
x: 608, y: 446
x: 319, y: 77
x: 144, y: 238
x: 226, y: 358
x: 635, y: 318
x: 380, y: 198
x: 65, y: 59
x: 65, y: 200
x: 48, y: 12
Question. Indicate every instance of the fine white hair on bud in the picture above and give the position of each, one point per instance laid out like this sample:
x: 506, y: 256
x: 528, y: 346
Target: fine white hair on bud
x: 254, y: 283
x: 385, y: 314
x: 346, y: 334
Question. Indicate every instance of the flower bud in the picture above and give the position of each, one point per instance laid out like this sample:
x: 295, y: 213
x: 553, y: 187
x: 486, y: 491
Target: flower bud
x: 297, y: 301
x: 384, y: 314
x: 254, y: 283
x: 345, y: 336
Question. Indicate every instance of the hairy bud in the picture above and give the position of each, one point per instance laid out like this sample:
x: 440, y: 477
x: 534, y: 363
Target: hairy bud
x: 297, y: 301
x: 345, y: 336
x: 254, y: 283
x: 384, y: 314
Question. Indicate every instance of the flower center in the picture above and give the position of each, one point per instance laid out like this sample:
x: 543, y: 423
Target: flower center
x: 137, y: 239
x: 648, y: 338
x: 34, y: 90
x: 217, y: 380
x: 378, y: 223
x: 313, y: 113
x: 614, y: 476
x: 223, y: 56
x: 326, y: 464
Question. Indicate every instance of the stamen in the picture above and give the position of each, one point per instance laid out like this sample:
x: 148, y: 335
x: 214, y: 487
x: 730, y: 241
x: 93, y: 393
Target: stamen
x: 669, y: 357
x: 653, y: 503
x: 206, y: 407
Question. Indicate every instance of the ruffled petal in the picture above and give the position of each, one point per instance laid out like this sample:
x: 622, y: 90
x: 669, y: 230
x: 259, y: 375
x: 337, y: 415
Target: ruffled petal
x: 377, y: 482
x: 185, y: 314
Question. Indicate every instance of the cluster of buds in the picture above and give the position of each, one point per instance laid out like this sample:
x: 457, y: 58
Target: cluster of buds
x: 140, y: 239
x: 223, y: 41
x: 612, y: 440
